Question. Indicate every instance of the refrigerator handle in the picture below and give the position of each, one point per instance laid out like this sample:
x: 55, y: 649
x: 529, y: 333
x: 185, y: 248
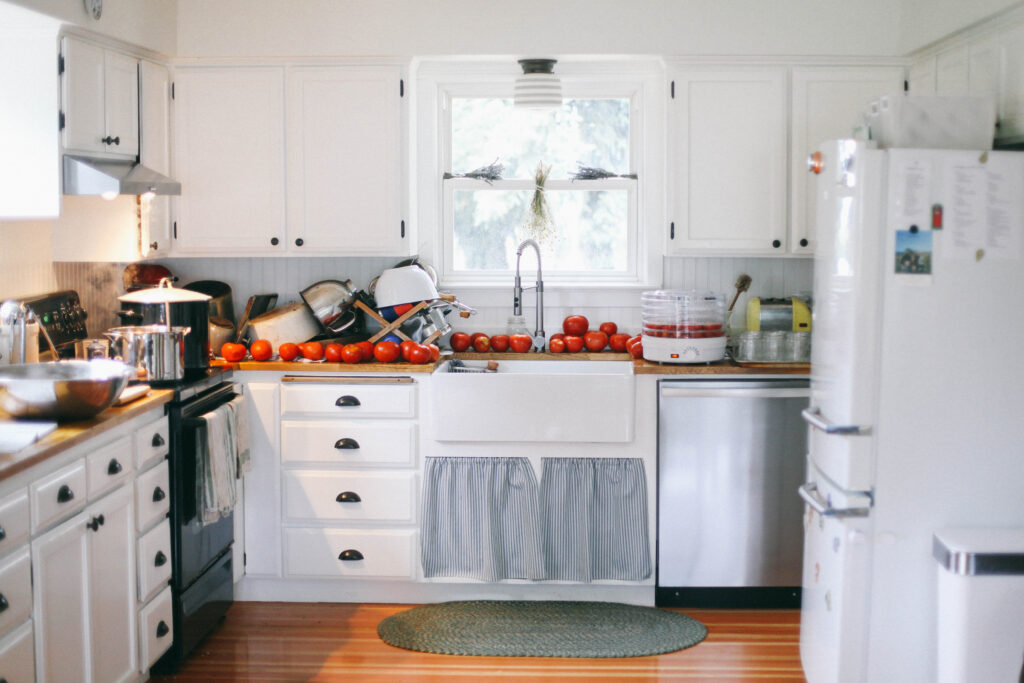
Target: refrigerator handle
x: 809, y: 492
x: 813, y: 417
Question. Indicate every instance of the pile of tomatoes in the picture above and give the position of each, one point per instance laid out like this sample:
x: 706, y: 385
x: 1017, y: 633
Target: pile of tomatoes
x: 386, y: 351
x: 575, y: 336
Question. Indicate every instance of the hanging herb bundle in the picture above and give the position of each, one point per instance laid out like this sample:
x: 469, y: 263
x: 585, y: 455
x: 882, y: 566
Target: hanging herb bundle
x: 488, y: 174
x: 591, y: 173
x: 539, y: 224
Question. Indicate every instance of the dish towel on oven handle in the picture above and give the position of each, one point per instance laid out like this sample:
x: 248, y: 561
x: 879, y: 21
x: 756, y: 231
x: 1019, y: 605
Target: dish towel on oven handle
x: 217, y: 466
x: 239, y: 408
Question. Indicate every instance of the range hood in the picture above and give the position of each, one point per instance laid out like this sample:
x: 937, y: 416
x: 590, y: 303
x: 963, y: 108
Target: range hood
x: 106, y: 177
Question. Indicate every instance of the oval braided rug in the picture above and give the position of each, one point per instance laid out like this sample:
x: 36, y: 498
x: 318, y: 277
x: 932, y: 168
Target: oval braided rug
x: 517, y: 628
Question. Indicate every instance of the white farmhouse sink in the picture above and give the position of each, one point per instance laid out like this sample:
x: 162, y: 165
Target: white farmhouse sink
x: 578, y: 401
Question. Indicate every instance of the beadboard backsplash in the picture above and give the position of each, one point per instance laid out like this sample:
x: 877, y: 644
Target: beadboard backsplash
x: 99, y: 285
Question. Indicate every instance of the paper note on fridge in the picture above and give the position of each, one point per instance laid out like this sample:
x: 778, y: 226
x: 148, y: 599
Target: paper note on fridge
x: 984, y: 209
x: 914, y: 185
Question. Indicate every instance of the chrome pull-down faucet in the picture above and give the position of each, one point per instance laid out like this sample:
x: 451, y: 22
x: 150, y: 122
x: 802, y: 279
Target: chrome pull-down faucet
x: 539, y: 341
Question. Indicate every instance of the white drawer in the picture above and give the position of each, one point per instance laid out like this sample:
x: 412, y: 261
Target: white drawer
x: 152, y: 501
x: 349, y: 400
x: 57, y: 495
x: 156, y: 632
x: 349, y: 442
x: 17, y: 656
x: 15, y: 589
x: 349, y: 496
x: 109, y: 466
x: 14, y: 520
x: 151, y: 442
x: 154, y: 560
x: 384, y: 553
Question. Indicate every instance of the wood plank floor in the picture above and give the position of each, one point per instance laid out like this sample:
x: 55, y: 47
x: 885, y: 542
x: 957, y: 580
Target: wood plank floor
x: 269, y: 641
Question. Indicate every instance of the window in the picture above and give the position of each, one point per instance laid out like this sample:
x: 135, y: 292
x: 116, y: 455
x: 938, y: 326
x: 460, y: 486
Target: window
x: 597, y: 237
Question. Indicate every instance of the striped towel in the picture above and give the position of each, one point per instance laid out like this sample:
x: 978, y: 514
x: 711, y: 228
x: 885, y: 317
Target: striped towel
x: 216, y: 466
x: 239, y: 408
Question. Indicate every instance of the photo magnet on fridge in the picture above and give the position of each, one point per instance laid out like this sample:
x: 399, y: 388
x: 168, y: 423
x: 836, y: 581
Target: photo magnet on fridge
x: 914, y: 252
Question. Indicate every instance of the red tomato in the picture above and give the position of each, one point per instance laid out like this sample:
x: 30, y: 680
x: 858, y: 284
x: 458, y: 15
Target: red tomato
x: 332, y: 352
x: 631, y: 341
x: 573, y: 343
x: 460, y: 341
x: 367, y: 350
x: 351, y: 353
x: 557, y: 345
x: 575, y: 325
x: 637, y: 350
x: 233, y: 352
x: 405, y: 347
x: 261, y: 349
x: 386, y: 351
x: 482, y: 343
x: 419, y: 354
x: 288, y: 351
x: 435, y: 351
x: 617, y: 342
x: 520, y: 343
x: 499, y: 342
x: 476, y: 335
x: 312, y: 350
x: 609, y: 328
x: 557, y: 335
x: 595, y: 340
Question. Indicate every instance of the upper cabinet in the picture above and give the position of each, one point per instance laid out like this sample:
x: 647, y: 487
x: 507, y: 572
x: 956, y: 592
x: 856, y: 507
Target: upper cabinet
x: 290, y: 161
x: 827, y: 104
x: 728, y: 162
x: 99, y: 100
x: 155, y: 153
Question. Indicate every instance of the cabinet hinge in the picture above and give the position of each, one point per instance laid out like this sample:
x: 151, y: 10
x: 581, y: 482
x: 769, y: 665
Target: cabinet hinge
x: 172, y: 90
x: 401, y: 87
x: 60, y: 64
x: 60, y: 120
x: 175, y: 228
x: 906, y: 85
x: 403, y: 230
x: 672, y: 231
x: 245, y: 559
x: 673, y: 89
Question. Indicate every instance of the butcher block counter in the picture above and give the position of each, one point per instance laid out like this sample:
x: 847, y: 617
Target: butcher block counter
x: 73, y: 433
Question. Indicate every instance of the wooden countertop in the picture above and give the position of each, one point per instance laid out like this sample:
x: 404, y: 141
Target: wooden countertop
x: 72, y: 433
x: 724, y: 367
x: 323, y: 366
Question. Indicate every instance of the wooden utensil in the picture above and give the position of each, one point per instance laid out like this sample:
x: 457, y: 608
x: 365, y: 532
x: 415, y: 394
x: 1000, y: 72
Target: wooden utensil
x: 743, y: 283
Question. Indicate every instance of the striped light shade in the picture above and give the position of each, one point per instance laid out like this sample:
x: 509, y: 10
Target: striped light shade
x: 538, y: 87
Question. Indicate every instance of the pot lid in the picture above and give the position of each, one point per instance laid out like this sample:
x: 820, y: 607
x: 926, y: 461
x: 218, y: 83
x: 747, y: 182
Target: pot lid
x: 162, y: 295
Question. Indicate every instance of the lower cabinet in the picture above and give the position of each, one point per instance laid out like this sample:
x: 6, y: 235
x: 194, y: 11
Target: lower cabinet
x: 85, y: 594
x: 16, y: 660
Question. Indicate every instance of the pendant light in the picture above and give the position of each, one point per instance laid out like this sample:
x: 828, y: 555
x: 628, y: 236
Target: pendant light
x: 538, y: 87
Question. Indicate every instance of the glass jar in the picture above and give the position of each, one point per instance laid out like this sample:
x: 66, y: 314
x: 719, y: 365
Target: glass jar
x: 517, y: 325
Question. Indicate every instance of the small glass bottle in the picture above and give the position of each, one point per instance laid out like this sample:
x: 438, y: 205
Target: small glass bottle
x: 517, y: 325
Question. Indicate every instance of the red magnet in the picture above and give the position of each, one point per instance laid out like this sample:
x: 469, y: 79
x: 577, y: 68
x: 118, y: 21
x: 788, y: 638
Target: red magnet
x: 936, y: 216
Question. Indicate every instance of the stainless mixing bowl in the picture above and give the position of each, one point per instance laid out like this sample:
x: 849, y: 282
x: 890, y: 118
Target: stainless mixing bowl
x: 64, y: 391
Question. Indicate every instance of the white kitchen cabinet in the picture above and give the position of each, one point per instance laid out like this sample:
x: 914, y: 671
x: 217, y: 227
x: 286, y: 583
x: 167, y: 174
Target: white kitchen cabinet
x: 728, y: 166
x: 828, y: 102
x: 17, y: 662
x: 155, y: 153
x: 262, y: 500
x: 951, y: 71
x: 230, y: 160
x: 345, y: 170
x: 1011, y: 99
x: 99, y: 100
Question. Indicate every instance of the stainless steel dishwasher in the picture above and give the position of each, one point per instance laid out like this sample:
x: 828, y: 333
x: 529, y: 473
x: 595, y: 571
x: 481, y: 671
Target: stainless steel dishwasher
x: 731, y: 454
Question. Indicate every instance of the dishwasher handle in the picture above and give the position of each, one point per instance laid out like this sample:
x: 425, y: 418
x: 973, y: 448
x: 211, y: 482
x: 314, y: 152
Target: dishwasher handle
x: 726, y: 392
x: 809, y: 492
x: 813, y: 417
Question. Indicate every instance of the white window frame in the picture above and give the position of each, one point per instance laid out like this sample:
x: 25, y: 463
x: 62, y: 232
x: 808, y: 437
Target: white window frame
x: 641, y: 81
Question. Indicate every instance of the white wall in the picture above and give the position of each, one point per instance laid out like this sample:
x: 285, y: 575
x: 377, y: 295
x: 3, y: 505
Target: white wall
x: 263, y: 28
x: 147, y: 23
x: 25, y: 266
x: 926, y: 21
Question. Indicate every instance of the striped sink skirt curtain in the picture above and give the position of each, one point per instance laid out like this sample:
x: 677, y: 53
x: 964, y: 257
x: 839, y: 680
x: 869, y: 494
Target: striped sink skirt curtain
x: 483, y: 518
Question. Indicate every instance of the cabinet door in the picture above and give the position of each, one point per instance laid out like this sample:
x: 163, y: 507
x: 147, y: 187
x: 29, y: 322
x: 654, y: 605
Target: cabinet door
x: 729, y: 170
x: 155, y: 153
x: 121, y: 97
x: 61, y: 601
x: 951, y: 71
x: 827, y: 104
x: 1011, y: 104
x: 345, y: 171
x: 112, y: 587
x: 229, y: 147
x: 262, y: 498
x: 921, y: 77
x: 82, y: 99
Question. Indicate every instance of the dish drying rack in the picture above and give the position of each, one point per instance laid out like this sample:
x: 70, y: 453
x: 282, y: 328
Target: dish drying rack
x: 456, y: 365
x: 395, y: 326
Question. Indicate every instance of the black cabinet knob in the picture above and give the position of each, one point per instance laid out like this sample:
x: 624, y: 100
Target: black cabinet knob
x: 299, y: 242
x: 111, y: 141
x: 347, y: 401
x: 3, y: 603
x: 776, y: 243
x: 114, y: 467
x: 804, y: 242
x: 350, y: 555
x: 346, y: 443
x: 158, y: 441
x: 95, y: 523
x: 158, y: 494
x: 160, y: 559
x: 65, y: 494
x: 162, y: 629
x: 3, y: 533
x: 348, y: 497
x: 274, y: 241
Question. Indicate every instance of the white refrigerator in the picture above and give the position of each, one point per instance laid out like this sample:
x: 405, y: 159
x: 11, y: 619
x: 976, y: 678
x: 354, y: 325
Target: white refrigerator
x: 917, y: 394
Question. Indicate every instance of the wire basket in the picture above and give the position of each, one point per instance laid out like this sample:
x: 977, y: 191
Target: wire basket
x: 457, y: 365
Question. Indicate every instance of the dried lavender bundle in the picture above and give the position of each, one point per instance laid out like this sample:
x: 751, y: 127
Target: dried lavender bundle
x: 488, y: 174
x: 591, y: 173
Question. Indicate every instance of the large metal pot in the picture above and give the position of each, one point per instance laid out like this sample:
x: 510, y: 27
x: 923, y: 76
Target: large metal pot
x: 332, y: 303
x: 221, y: 303
x: 157, y: 352
x: 185, y: 309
